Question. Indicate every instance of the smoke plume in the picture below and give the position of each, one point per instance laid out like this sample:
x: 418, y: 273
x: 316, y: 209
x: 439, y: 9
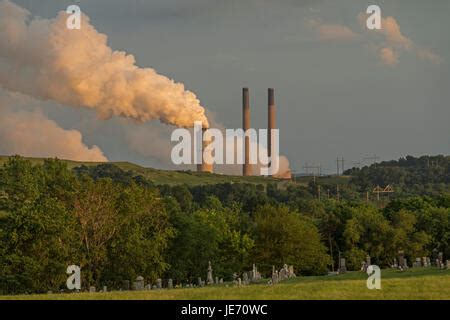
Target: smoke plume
x: 31, y: 134
x: 44, y: 59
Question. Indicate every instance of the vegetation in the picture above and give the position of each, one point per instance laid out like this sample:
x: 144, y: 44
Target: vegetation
x: 117, y: 224
x: 425, y: 175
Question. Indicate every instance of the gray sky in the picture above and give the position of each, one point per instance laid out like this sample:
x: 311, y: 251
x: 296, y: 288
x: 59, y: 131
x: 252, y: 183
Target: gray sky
x: 338, y: 93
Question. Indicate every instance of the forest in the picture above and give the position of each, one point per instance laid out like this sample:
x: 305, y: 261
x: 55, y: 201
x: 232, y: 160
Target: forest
x: 117, y: 225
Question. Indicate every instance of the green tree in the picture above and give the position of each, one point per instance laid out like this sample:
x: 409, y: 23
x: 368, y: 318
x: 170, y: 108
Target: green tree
x: 284, y: 237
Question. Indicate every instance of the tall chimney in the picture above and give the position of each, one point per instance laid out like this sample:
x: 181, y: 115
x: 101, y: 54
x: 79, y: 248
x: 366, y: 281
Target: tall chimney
x: 247, y: 167
x: 204, y: 167
x: 272, y: 119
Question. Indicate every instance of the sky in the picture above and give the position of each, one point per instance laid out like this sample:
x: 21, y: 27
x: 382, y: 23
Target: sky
x: 341, y: 90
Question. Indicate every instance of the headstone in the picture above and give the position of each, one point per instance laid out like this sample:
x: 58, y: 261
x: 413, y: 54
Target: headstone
x: 342, y: 267
x: 401, y: 260
x: 441, y: 260
x: 159, y: 283
x: 395, y: 265
x: 216, y: 280
x: 209, y: 277
x: 199, y: 282
x: 239, y: 282
x: 105, y: 289
x: 291, y: 272
x: 154, y: 287
x: 448, y: 264
x: 424, y: 262
x: 245, y: 278
x: 170, y: 284
x: 275, y: 277
x: 91, y: 289
x: 417, y: 263
x: 221, y: 281
x: 438, y: 265
x: 148, y: 287
x: 363, y: 266
x: 126, y: 285
x: 139, y: 283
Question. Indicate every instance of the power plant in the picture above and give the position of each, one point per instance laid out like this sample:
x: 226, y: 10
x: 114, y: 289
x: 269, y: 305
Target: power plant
x: 247, y: 169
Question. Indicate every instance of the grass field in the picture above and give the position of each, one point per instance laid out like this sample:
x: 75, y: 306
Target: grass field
x: 418, y: 283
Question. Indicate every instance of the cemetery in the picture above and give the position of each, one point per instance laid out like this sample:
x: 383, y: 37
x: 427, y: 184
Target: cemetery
x: 401, y: 281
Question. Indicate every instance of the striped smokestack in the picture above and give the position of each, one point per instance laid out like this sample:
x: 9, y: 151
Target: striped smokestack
x: 247, y: 167
x: 272, y: 119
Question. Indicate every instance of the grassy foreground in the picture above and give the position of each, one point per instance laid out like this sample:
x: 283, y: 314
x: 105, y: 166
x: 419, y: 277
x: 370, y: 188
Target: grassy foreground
x: 421, y: 284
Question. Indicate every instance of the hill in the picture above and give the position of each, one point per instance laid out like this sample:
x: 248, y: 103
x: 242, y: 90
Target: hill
x: 169, y: 177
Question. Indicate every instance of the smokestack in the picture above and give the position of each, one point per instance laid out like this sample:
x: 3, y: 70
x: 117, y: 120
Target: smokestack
x: 204, y: 167
x: 272, y: 119
x: 247, y: 167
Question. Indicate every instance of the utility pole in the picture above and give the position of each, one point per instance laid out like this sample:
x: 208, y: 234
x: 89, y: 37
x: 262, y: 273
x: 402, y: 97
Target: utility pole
x: 337, y: 166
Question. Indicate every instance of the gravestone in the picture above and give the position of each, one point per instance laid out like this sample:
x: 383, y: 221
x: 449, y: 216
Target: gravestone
x: 239, y: 281
x: 441, y: 260
x: 159, y: 283
x: 91, y: 289
x: 221, y: 281
x: 126, y: 285
x: 275, y: 277
x: 170, y: 284
x: 395, y: 265
x: 199, y: 282
x: 105, y: 289
x: 342, y: 267
x: 401, y: 260
x: 139, y: 283
x: 448, y: 264
x: 363, y: 266
x: 417, y: 263
x: 154, y: 287
x: 209, y: 276
x: 282, y: 274
x: 216, y: 280
x: 148, y: 287
x: 424, y: 262
x: 245, y: 278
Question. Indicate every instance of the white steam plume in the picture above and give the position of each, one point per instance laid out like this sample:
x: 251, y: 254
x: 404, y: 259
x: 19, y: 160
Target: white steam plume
x: 44, y: 59
x: 31, y: 134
